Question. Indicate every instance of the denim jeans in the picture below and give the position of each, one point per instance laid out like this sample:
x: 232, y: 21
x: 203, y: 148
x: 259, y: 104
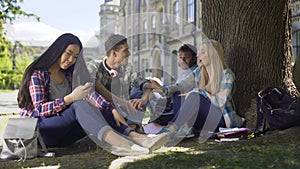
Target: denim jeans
x: 199, y: 113
x: 72, y: 124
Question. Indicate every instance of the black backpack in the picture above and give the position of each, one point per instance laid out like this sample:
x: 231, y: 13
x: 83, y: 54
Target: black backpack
x: 278, y: 108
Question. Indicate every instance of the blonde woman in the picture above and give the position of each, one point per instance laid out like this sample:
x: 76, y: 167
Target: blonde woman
x: 209, y: 104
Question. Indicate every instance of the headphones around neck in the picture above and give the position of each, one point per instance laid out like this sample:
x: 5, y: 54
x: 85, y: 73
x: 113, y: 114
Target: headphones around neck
x: 112, y: 72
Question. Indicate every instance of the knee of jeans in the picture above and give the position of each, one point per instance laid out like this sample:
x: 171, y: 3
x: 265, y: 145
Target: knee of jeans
x: 72, y: 107
x: 194, y: 95
x: 198, y: 96
x: 78, y: 104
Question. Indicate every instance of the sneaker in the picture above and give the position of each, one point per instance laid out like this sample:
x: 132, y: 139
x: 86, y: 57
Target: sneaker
x: 177, y: 136
x: 153, y: 143
x: 185, y: 132
x: 133, y: 150
x: 164, y: 130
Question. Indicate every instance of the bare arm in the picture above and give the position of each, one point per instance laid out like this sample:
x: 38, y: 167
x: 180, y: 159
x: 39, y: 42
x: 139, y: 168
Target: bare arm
x: 109, y: 96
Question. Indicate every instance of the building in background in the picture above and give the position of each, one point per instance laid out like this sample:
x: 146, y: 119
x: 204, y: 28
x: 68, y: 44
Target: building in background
x: 155, y: 30
x: 295, y: 4
x: 109, y: 23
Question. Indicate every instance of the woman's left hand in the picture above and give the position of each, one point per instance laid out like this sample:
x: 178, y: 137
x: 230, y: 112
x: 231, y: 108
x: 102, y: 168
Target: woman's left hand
x: 185, y: 95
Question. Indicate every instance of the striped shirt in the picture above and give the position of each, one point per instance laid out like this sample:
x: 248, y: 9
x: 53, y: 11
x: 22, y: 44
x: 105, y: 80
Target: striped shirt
x: 42, y: 106
x: 222, y: 99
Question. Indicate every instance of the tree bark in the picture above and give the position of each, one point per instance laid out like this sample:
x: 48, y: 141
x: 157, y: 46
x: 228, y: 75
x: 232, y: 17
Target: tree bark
x: 256, y: 36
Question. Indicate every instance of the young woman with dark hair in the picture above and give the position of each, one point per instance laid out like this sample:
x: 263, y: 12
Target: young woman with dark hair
x: 64, y: 116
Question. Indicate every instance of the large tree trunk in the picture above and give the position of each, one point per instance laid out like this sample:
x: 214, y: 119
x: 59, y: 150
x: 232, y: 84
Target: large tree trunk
x: 256, y: 35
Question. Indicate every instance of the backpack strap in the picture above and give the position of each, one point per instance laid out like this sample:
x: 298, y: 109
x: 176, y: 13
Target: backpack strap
x: 45, y: 152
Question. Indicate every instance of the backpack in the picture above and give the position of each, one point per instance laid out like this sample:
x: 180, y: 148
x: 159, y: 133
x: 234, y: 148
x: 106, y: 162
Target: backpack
x: 278, y: 108
x: 21, y: 137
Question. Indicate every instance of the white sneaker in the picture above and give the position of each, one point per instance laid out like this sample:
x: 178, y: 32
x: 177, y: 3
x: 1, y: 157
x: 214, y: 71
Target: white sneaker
x: 153, y: 143
x: 185, y: 132
x: 133, y: 150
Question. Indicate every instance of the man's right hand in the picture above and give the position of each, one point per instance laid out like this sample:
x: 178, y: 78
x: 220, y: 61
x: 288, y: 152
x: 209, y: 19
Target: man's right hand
x: 137, y: 103
x: 118, y: 118
x: 153, y: 86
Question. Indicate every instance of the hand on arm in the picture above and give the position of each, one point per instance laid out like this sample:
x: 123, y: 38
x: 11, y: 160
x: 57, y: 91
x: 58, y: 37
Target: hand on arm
x: 78, y: 93
x: 153, y: 86
x: 139, y: 103
x: 39, y: 95
x: 185, y: 95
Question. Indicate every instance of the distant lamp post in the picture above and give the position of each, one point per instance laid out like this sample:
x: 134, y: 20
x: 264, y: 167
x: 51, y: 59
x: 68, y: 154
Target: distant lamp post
x: 14, y: 52
x: 194, y: 33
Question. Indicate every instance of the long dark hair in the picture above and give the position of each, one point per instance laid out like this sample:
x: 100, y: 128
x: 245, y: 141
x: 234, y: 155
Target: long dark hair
x: 44, y: 62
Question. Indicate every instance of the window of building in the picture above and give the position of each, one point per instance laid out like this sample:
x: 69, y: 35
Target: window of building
x: 138, y: 6
x: 190, y: 11
x: 129, y: 7
x: 145, y: 66
x: 176, y: 13
x: 129, y: 37
x: 296, y: 44
x: 136, y: 37
x: 145, y: 28
x: 174, y: 63
x: 153, y: 23
x: 162, y: 16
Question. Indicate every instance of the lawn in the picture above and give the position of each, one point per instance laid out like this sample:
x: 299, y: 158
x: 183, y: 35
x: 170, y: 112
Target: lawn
x: 279, y: 149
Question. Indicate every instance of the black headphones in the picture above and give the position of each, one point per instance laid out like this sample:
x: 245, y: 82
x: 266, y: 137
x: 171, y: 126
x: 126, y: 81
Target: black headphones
x: 112, y: 72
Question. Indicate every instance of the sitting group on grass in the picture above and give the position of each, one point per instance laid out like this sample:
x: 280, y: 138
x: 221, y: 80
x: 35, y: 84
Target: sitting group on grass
x: 73, y: 99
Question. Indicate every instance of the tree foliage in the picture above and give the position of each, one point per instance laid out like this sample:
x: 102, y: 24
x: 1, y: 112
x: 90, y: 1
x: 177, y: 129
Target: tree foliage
x: 10, y: 10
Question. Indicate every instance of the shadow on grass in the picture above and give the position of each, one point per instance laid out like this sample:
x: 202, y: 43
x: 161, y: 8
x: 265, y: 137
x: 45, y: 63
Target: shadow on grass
x: 277, y: 150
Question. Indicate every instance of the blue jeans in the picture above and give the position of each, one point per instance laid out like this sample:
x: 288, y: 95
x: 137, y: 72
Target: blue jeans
x: 61, y: 130
x: 122, y: 129
x: 177, y: 102
x: 71, y: 124
x: 198, y: 112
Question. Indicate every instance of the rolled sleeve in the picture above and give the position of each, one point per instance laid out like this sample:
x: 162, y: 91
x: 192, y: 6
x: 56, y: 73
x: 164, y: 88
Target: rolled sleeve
x: 98, y: 101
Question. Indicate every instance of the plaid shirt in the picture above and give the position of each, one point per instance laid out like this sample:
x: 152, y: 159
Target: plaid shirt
x: 39, y: 91
x: 222, y: 99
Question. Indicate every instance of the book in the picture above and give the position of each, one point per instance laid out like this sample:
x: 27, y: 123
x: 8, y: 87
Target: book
x: 232, y: 132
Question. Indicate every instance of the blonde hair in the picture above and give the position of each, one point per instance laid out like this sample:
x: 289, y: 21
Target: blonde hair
x: 215, y: 53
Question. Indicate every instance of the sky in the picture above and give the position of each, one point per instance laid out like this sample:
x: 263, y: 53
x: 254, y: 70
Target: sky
x: 79, y: 17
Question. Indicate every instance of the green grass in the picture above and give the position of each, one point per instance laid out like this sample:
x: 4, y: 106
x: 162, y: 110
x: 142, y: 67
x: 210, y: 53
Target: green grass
x: 7, y: 91
x: 246, y: 154
x: 253, y: 156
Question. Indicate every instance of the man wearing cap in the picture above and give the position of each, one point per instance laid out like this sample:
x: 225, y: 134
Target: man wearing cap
x: 114, y: 83
x: 188, y: 63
